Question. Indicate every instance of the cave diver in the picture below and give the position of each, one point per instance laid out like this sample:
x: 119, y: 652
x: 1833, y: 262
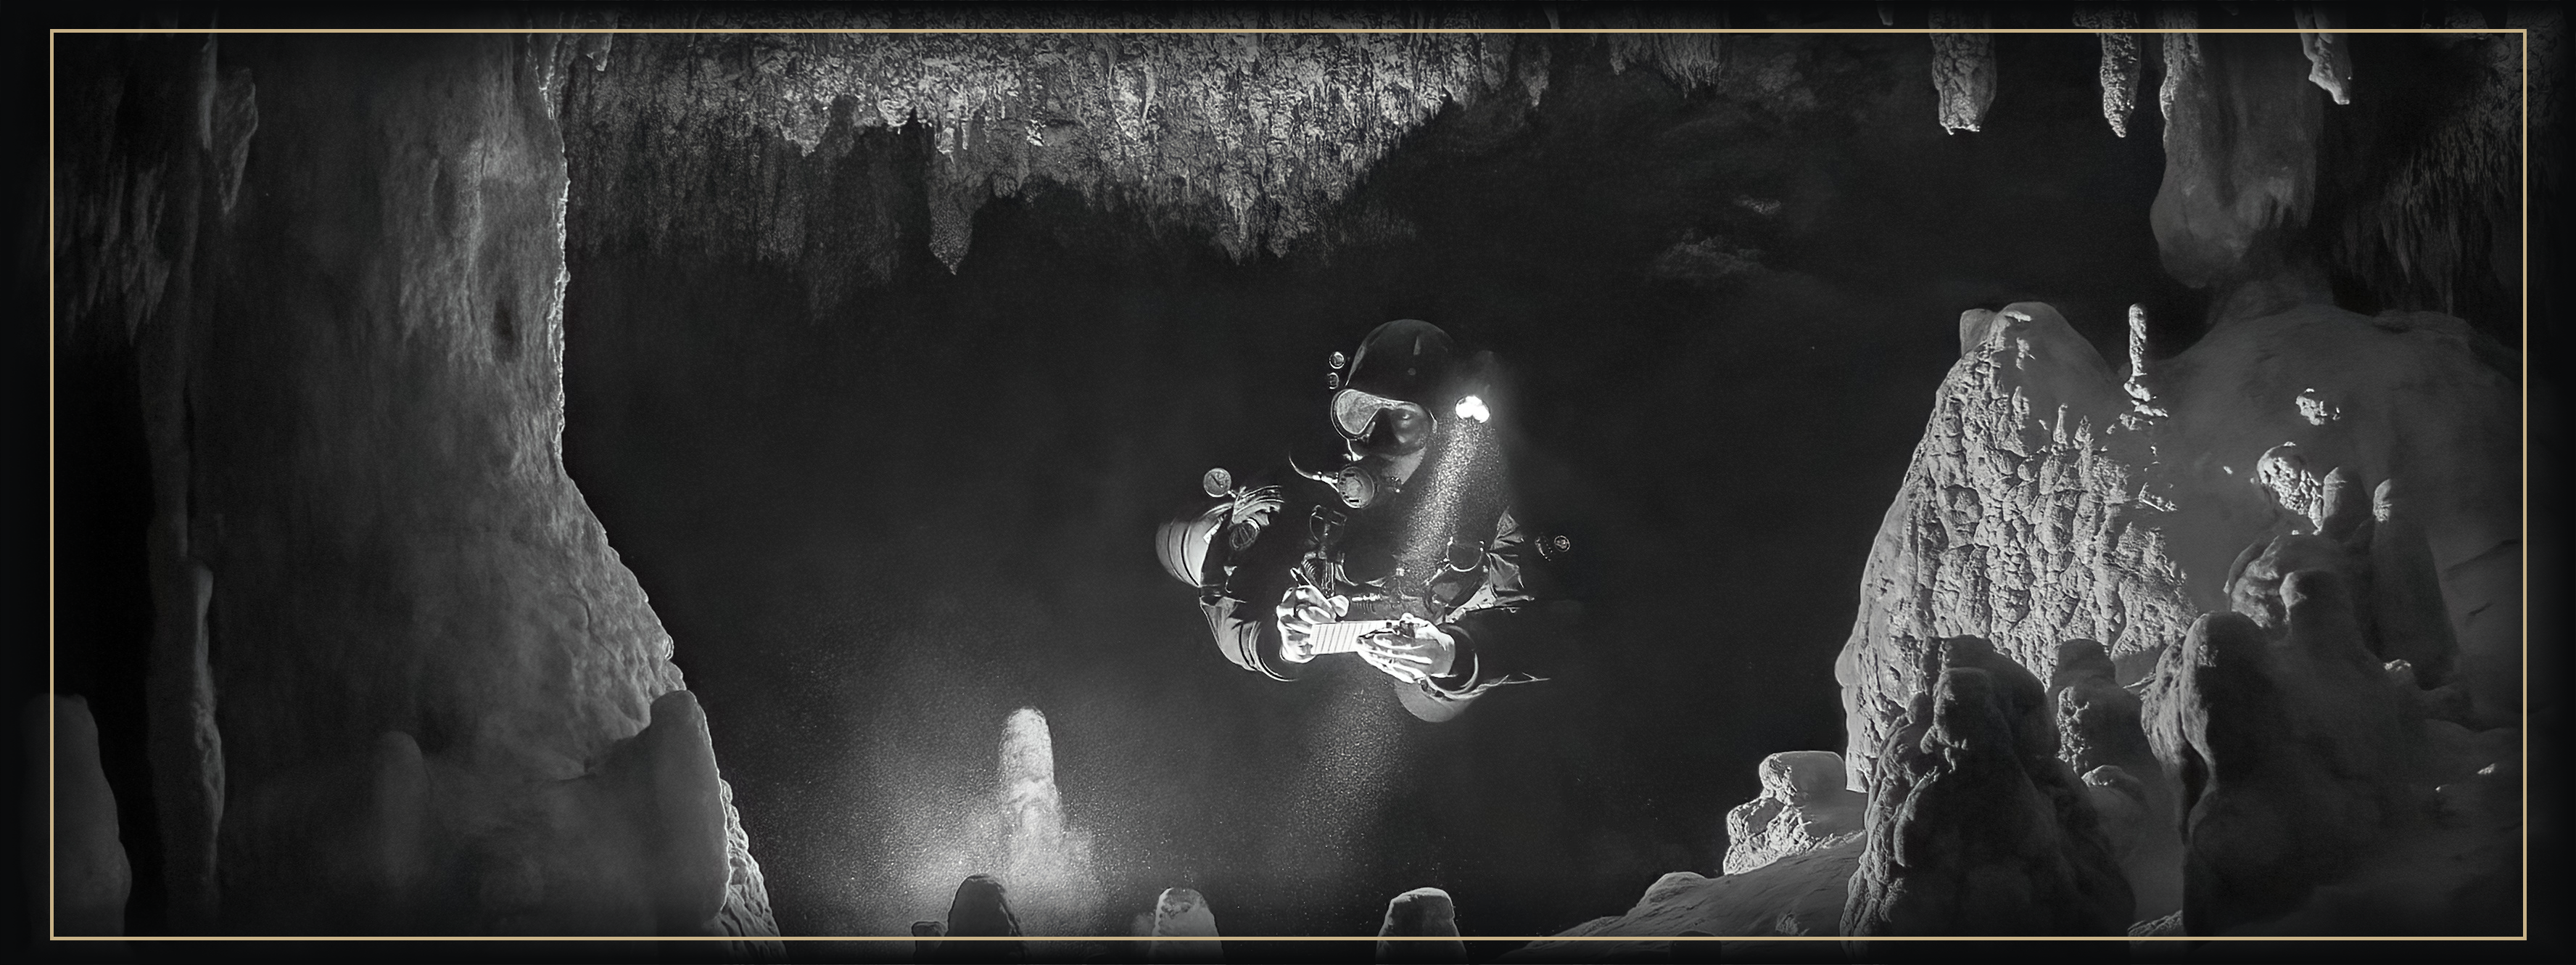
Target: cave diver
x: 1410, y: 556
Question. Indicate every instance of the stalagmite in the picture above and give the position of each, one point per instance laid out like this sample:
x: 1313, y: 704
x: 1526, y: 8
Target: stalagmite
x: 1423, y: 915
x: 2101, y: 736
x: 187, y: 749
x: 981, y: 909
x: 2299, y: 763
x: 1184, y: 928
x: 2121, y: 65
x: 2144, y: 401
x: 2406, y: 589
x: 1976, y: 827
x: 1047, y: 862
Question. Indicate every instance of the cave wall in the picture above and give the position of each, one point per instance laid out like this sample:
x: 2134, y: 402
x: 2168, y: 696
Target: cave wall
x: 395, y: 664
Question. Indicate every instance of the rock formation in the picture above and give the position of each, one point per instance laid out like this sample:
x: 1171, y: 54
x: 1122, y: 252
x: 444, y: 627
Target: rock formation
x: 2025, y: 519
x: 2102, y: 737
x: 1798, y: 896
x: 1804, y: 806
x: 1251, y: 136
x: 1184, y: 929
x: 1421, y: 926
x: 2424, y: 411
x: 76, y: 830
x: 2121, y: 65
x: 1252, y: 140
x: 340, y: 261
x: 2311, y: 778
x: 981, y: 910
x: 2241, y: 131
x: 746, y: 915
x: 1046, y: 860
x: 2329, y: 56
x: 2271, y: 469
x: 1975, y: 826
x: 1963, y: 67
x: 2434, y: 181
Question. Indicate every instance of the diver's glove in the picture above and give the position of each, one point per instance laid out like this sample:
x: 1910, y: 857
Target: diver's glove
x: 1412, y: 651
x: 1306, y: 607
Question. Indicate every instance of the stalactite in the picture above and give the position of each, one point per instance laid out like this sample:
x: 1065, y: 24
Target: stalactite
x: 1963, y: 67
x: 2182, y: 56
x: 2121, y: 64
x: 2329, y: 57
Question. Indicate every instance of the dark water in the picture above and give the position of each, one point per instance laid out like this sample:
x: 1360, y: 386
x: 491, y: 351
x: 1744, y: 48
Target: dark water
x: 876, y: 533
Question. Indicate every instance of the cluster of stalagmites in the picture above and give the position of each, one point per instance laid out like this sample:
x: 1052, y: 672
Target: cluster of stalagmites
x: 2318, y: 754
x: 2282, y: 771
x: 2322, y: 748
x: 1420, y: 926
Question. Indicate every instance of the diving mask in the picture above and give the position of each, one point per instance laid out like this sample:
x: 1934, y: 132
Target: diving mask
x: 1354, y: 410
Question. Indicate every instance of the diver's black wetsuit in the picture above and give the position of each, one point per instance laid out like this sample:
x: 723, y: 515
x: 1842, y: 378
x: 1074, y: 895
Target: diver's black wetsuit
x: 1444, y: 548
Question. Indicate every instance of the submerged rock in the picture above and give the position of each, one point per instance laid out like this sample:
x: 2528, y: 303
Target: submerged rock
x: 1963, y: 67
x: 2308, y: 778
x: 2024, y: 519
x: 90, y: 877
x: 1045, y: 857
x: 2097, y: 719
x: 1804, y: 805
x: 1421, y: 926
x: 346, y: 305
x: 982, y: 910
x: 2329, y: 56
x: 2121, y: 65
x: 1800, y: 895
x: 665, y: 778
x: 1184, y: 928
x: 2102, y: 736
x: 2423, y: 415
x: 2240, y: 136
x: 746, y: 914
x: 1975, y: 826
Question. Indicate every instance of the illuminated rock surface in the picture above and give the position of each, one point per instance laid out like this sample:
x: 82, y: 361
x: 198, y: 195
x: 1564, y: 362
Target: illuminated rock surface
x: 394, y: 638
x: 1046, y: 862
x: 1424, y: 914
x: 1183, y: 929
x: 1963, y: 67
x: 1804, y: 806
x: 2025, y: 519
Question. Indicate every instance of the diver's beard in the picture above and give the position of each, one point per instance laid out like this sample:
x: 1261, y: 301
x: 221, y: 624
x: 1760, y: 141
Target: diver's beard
x: 1392, y: 470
